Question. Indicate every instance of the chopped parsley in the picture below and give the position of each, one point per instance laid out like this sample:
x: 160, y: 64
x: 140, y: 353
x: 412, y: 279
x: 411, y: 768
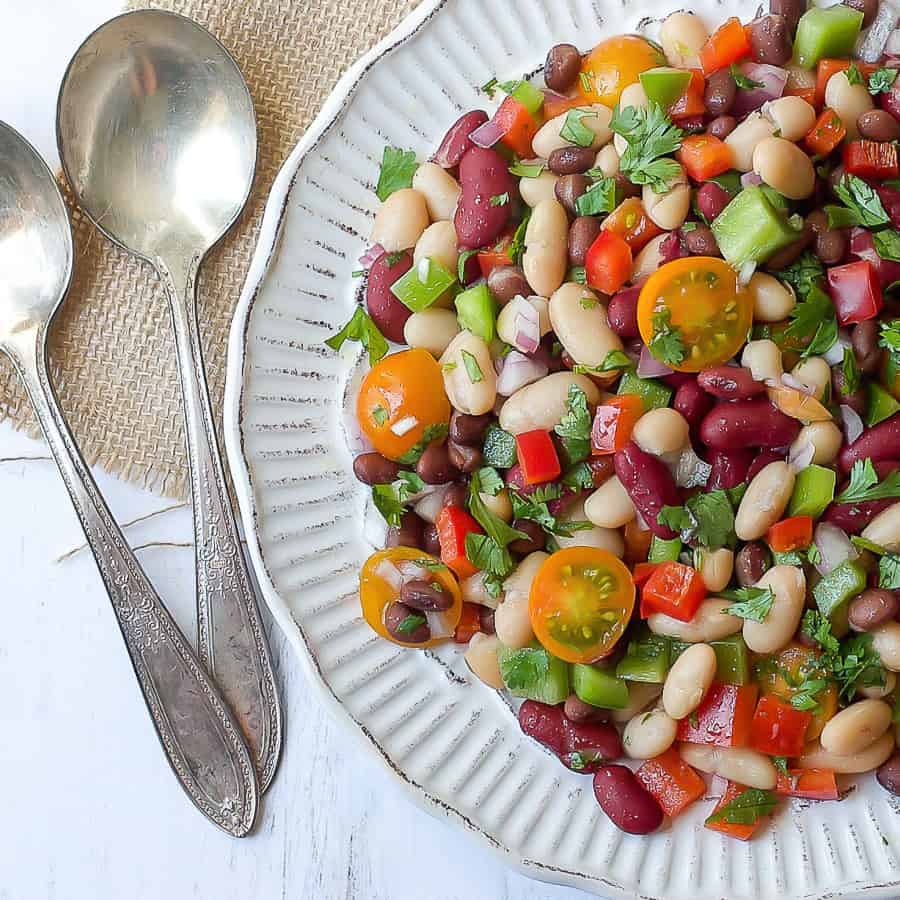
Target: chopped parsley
x: 747, y: 808
x: 802, y: 274
x: 650, y: 135
x: 864, y: 484
x: 489, y: 557
x: 850, y: 371
x: 743, y: 81
x: 587, y: 81
x: 574, y: 429
x: 533, y: 507
x: 523, y: 668
x: 578, y: 274
x: 881, y: 81
x: 598, y: 199
x: 464, y: 258
x: 526, y: 170
x: 361, y: 328
x: 667, y: 345
x: 814, y: 319
x: 574, y: 129
x: 862, y: 205
x: 889, y: 571
x: 391, y: 499
x: 410, y: 624
x: 612, y: 362
x: 753, y: 603
x: 579, y: 477
x: 706, y: 519
x: 517, y: 247
x: 397, y: 170
x: 887, y: 243
x: 380, y: 415
x: 473, y: 370
x: 889, y: 338
x: 500, y: 199
x: 854, y: 76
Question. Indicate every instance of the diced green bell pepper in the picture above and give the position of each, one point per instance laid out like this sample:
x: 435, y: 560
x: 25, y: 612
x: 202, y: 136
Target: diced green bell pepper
x: 836, y: 588
x: 599, y: 688
x: 664, y: 85
x: 654, y: 394
x: 476, y: 311
x: 522, y: 678
x: 647, y: 658
x: 882, y: 404
x: 830, y: 32
x: 423, y: 284
x: 499, y: 448
x: 751, y: 229
x: 813, y: 491
x: 529, y: 96
x: 732, y: 658
x: 662, y: 550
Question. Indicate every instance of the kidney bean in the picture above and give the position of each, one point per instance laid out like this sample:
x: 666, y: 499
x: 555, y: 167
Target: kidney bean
x: 649, y: 484
x: 858, y: 400
x: 456, y: 143
x: 692, y: 402
x: 482, y: 174
x: 549, y: 726
x: 761, y: 460
x: 629, y: 805
x: 790, y: 9
x: 431, y: 543
x: 394, y: 617
x: 425, y: 595
x: 751, y: 563
x: 464, y: 457
x: 720, y: 92
x: 888, y: 775
x: 747, y: 423
x: 721, y: 126
x: 829, y: 244
x: 876, y: 443
x: 506, y: 282
x: 456, y: 495
x: 387, y: 312
x: 712, y: 199
x: 730, y: 383
x: 626, y: 188
x: 853, y: 517
x: 409, y: 534
x: 770, y: 40
x: 729, y: 468
x: 867, y: 7
x: 700, y: 241
x: 864, y: 339
x: 576, y: 710
x: 571, y: 160
x: 534, y: 541
x: 561, y: 67
x: 878, y: 125
x: 622, y: 312
x: 434, y: 465
x: 373, y: 468
x: 468, y: 429
x: 873, y: 607
x: 568, y: 189
x: 792, y: 251
x: 486, y: 620
x: 582, y: 233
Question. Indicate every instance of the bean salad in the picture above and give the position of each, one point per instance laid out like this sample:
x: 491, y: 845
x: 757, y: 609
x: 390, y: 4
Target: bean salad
x: 639, y: 449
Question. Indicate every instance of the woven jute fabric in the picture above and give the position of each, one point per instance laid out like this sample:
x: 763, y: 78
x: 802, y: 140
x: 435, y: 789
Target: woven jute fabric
x: 112, y: 349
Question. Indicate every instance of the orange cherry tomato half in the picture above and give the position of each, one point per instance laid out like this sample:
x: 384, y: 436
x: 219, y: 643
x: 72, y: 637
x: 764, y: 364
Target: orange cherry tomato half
x: 614, y: 64
x: 580, y: 602
x: 699, y: 296
x: 376, y: 592
x: 401, y: 397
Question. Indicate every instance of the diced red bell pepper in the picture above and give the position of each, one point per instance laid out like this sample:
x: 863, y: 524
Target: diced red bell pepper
x: 871, y: 159
x: 642, y: 571
x: 704, y: 156
x: 673, y: 783
x: 518, y: 125
x: 469, y: 623
x: 630, y: 221
x: 674, y: 589
x: 778, y: 728
x: 790, y: 534
x: 614, y: 421
x: 609, y: 262
x: 453, y: 524
x: 496, y: 256
x: 537, y: 457
x: 741, y: 832
x: 855, y: 292
x: 691, y: 103
x: 723, y: 718
x: 811, y: 784
x: 726, y: 45
x: 826, y: 134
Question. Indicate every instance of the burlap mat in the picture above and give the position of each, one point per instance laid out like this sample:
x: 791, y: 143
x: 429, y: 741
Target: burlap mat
x: 112, y: 349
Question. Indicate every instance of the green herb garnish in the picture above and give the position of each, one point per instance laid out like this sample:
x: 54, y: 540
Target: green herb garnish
x: 397, y: 170
x: 650, y: 135
x: 361, y: 328
x: 864, y: 484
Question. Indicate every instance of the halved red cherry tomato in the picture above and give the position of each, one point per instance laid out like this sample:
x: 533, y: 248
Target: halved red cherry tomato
x: 697, y: 298
x: 376, y: 592
x: 401, y: 397
x: 581, y: 600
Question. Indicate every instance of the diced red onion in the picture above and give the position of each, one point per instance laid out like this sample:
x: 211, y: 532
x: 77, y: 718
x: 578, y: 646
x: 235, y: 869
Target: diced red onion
x: 773, y: 80
x: 690, y: 470
x: 791, y: 381
x: 748, y: 179
x: 488, y: 134
x: 834, y: 547
x: 527, y: 325
x: 834, y: 355
x: 650, y: 367
x: 439, y: 624
x: 390, y: 574
x: 518, y: 370
x: 801, y: 455
x: 853, y: 424
x: 456, y: 141
x: 428, y: 508
x: 863, y: 247
x: 879, y: 33
x: 413, y: 571
x: 369, y: 257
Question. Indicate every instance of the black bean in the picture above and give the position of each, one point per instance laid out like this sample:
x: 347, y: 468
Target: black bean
x: 506, y: 282
x: 750, y: 564
x: 562, y: 67
x: 400, y: 624
x: 464, y: 457
x: 701, y: 241
x: 409, y: 534
x: 430, y: 541
x: 569, y: 188
x: 872, y: 608
x: 790, y: 9
x: 869, y: 8
x: 720, y: 92
x: 425, y: 595
x: 864, y: 338
x: 486, y: 620
x: 534, y: 541
x: 469, y: 429
x: 721, y: 126
x: 878, y: 125
x: 571, y: 160
x: 770, y: 40
x: 373, y: 468
x: 456, y: 495
x: 582, y: 233
x: 435, y: 467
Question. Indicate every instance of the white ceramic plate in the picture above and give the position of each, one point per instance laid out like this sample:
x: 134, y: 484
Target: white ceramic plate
x: 454, y: 743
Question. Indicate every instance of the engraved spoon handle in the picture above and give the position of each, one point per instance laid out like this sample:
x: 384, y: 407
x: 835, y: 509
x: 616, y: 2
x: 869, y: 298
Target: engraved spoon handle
x: 200, y: 738
x: 232, y: 642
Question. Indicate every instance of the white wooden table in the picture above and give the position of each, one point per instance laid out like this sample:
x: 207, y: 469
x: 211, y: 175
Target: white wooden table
x: 89, y: 808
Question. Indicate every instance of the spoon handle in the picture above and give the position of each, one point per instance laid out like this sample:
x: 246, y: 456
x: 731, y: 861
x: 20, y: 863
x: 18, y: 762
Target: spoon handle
x: 200, y: 738
x: 232, y: 642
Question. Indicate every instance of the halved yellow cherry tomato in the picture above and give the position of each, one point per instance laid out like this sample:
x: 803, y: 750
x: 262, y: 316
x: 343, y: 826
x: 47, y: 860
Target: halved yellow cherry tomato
x: 376, y: 593
x: 580, y: 602
x: 798, y: 405
x: 699, y: 298
x: 399, y: 399
x: 614, y: 64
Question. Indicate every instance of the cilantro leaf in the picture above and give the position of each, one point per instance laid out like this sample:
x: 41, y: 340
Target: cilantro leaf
x: 487, y: 481
x: 803, y: 273
x: 667, y: 345
x: 391, y: 499
x: 612, y: 362
x: 534, y: 508
x: 489, y: 88
x: 889, y: 571
x: 431, y: 434
x: 742, y: 81
x: 517, y: 247
x: 601, y: 197
x: 397, y: 170
x: 862, y: 200
x: 889, y: 338
x: 780, y: 763
x: 851, y: 372
x: 805, y: 697
x: 379, y: 415
x: 488, y: 556
x: 522, y: 669
x: 864, y: 484
x: 754, y: 603
x: 817, y: 627
x: 499, y: 447
x: 814, y: 318
x: 706, y: 519
x: 859, y: 666
x: 887, y: 243
x: 500, y: 199
x: 410, y: 624
x: 361, y: 328
x: 854, y: 76
x: 574, y: 429
x: 574, y: 129
x: 881, y: 81
x: 464, y: 257
x: 650, y: 134
x: 473, y: 370
x: 747, y: 808
x: 526, y: 170
x: 579, y: 477
x: 578, y: 274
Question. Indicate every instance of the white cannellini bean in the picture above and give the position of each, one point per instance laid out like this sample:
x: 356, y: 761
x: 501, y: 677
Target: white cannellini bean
x: 595, y: 117
x: 716, y: 567
x: 649, y: 734
x: 474, y: 398
x: 432, y: 330
x: 746, y: 767
x: 763, y: 359
x: 815, y: 756
x: 610, y: 506
x: 640, y: 696
x: 856, y: 727
x: 826, y: 439
x: 815, y: 374
x: 649, y: 259
x: 481, y: 657
x: 689, y: 680
x: 512, y: 621
x: 772, y: 300
x: 440, y: 189
x: 793, y: 116
x: 400, y: 221
x: 607, y: 161
x: 788, y: 583
x: 765, y: 499
x: 535, y: 190
x: 660, y: 431
x: 541, y: 406
x: 745, y: 137
x: 580, y: 323
x: 884, y: 529
x: 710, y: 623
x: 669, y: 209
x: 609, y: 539
x: 784, y: 167
x: 886, y: 642
x: 546, y: 258
x: 499, y: 504
x: 682, y: 35
x: 849, y: 101
x: 473, y: 590
x: 879, y: 691
x: 438, y: 241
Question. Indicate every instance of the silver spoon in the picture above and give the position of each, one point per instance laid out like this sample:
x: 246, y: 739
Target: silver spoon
x: 202, y: 741
x: 157, y: 137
